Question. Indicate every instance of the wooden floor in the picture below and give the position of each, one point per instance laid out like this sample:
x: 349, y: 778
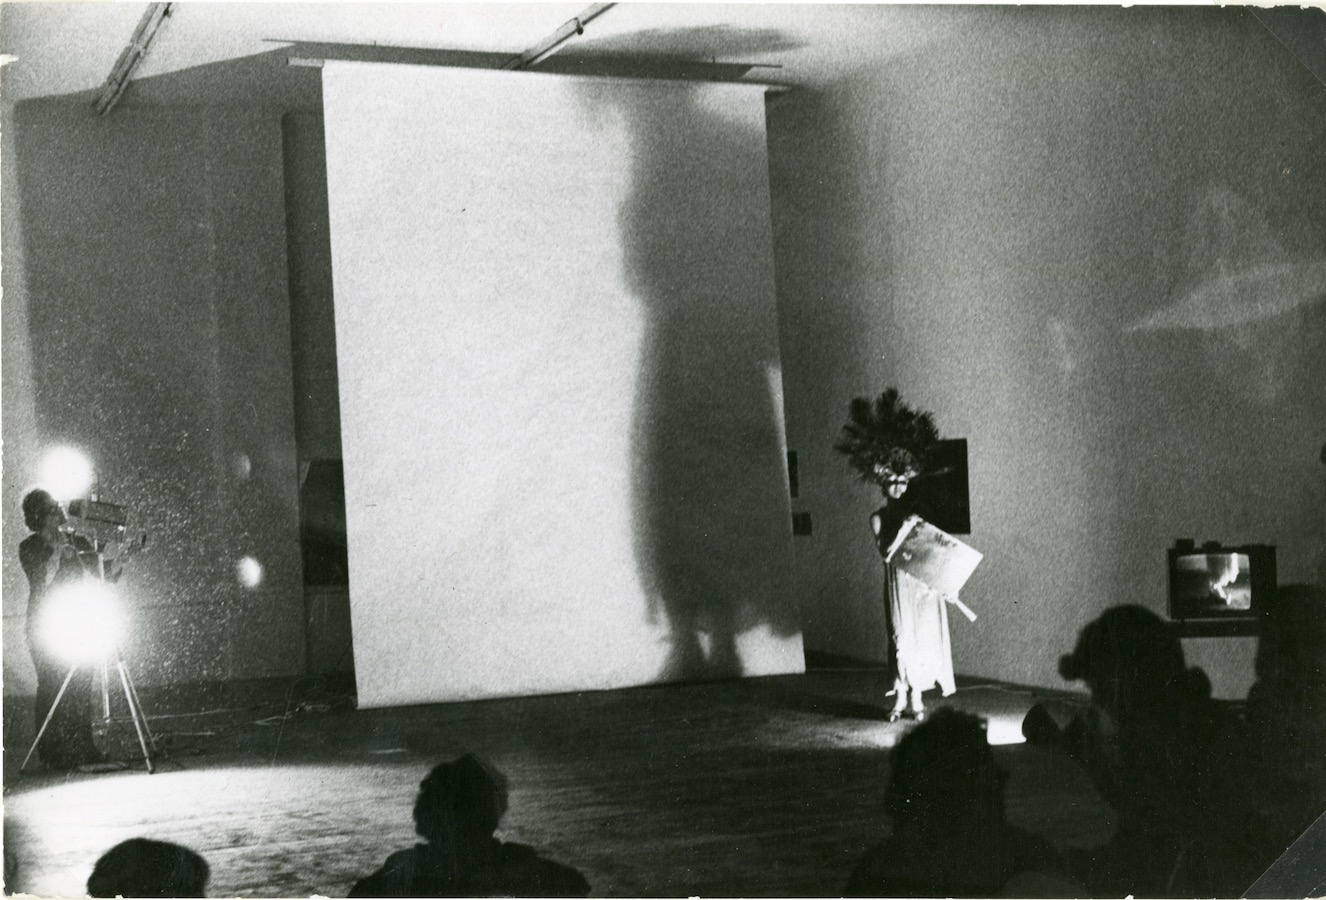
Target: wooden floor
x: 760, y: 787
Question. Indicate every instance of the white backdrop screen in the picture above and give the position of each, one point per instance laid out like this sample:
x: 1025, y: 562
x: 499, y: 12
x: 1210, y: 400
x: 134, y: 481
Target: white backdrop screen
x: 560, y: 390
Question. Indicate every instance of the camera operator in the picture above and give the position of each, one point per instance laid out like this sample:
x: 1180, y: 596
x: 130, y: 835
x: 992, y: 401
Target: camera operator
x: 51, y: 557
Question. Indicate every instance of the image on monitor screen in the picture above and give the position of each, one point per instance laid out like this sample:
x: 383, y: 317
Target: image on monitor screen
x: 1220, y: 589
x: 1213, y: 583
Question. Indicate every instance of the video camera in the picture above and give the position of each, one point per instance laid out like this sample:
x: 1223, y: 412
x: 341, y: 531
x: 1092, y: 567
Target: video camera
x: 101, y: 523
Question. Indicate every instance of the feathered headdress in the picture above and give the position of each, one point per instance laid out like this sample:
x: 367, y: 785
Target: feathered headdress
x: 887, y: 437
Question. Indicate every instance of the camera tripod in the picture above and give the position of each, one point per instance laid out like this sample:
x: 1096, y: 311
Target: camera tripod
x: 112, y: 657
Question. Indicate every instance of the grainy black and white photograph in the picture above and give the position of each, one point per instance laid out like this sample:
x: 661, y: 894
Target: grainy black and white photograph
x: 454, y: 449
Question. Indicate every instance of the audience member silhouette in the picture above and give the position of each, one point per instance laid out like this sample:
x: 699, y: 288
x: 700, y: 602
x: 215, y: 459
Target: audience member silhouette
x: 1286, y: 709
x: 950, y: 839
x: 145, y: 868
x: 459, y: 806
x: 1169, y: 759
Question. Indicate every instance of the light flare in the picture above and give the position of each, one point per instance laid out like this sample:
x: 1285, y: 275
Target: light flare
x: 67, y: 474
x: 82, y: 622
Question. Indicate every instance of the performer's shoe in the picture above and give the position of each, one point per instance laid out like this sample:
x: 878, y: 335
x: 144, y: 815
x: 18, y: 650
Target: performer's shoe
x: 896, y: 714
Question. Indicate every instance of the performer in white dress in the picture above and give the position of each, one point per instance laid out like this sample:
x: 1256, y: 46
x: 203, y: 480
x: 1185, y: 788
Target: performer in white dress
x: 919, y: 650
x: 888, y: 444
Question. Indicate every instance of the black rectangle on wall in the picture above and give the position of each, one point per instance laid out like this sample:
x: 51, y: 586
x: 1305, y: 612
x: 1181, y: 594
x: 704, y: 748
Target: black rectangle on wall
x: 941, y: 496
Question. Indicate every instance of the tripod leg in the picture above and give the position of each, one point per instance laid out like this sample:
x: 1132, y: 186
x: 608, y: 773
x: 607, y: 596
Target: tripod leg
x: 132, y: 695
x: 105, y: 692
x: 135, y: 712
x: 50, y: 714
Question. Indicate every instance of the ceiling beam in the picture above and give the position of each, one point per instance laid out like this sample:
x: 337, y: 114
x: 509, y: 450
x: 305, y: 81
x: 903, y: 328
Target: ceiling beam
x: 130, y: 57
x: 553, y: 42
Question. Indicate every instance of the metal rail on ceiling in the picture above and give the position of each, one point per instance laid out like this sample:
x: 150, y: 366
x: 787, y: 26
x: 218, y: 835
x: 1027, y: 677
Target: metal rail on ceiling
x: 131, y: 56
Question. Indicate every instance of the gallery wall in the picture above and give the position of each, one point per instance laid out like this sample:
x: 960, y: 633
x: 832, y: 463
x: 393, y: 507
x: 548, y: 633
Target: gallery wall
x: 146, y: 323
x: 1091, y: 242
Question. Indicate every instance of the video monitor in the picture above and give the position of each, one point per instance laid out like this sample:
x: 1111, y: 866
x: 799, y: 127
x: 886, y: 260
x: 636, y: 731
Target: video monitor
x: 1214, y: 583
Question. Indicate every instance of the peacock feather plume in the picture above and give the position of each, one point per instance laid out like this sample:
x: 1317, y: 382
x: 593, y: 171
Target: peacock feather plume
x: 886, y: 436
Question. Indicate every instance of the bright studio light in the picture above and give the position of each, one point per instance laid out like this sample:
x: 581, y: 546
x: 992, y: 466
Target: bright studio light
x: 66, y: 473
x: 81, y: 622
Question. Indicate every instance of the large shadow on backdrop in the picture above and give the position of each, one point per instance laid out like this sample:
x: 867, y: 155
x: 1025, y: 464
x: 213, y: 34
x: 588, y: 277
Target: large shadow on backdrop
x: 708, y: 486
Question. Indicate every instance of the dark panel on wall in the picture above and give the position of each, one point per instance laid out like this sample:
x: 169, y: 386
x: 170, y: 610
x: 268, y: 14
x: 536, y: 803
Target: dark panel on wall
x: 942, y: 497
x: 322, y: 524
